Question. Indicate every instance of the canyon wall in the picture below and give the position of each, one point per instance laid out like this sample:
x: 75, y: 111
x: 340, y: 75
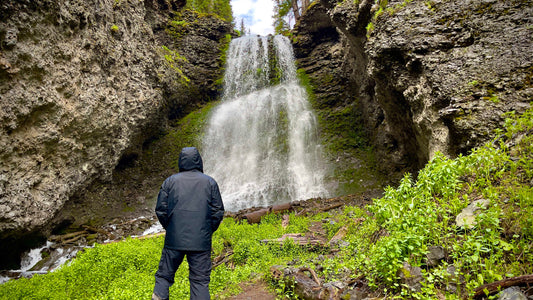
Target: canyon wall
x: 426, y: 76
x: 83, y: 84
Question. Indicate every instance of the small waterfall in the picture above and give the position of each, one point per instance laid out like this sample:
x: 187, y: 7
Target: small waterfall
x: 261, y: 144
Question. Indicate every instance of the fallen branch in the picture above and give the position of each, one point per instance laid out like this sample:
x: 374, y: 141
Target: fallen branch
x: 313, y: 274
x: 285, y: 221
x: 494, y: 287
x: 96, y: 230
x: 331, y: 207
x: 223, y: 258
x: 66, y: 237
x: 297, y: 238
x: 142, y: 237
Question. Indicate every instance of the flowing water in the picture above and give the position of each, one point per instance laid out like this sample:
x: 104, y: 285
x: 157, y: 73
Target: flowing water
x: 261, y: 144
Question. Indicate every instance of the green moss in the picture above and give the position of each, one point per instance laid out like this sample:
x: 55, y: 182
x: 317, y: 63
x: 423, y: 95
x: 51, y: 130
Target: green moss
x: 353, y: 164
x: 174, y: 61
x: 185, y: 132
x: 224, y: 47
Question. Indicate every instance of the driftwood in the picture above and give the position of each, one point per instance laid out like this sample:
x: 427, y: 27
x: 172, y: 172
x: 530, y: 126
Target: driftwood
x: 255, y: 216
x: 305, y: 287
x: 496, y: 286
x: 141, y: 237
x: 297, y: 238
x: 96, y: 230
x: 68, y: 236
x: 223, y: 258
x: 285, y: 221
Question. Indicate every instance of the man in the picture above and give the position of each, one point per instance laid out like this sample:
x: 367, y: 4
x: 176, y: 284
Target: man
x: 190, y: 208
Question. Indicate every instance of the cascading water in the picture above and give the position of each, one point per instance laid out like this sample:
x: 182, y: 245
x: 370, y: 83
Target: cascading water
x: 261, y: 143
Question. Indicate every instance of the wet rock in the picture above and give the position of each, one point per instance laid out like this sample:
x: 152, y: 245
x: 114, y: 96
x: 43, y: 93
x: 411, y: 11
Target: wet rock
x: 83, y: 85
x: 512, y: 293
x: 354, y: 294
x: 467, y: 217
x: 411, y: 276
x: 425, y: 78
x: 435, y: 255
x: 11, y: 37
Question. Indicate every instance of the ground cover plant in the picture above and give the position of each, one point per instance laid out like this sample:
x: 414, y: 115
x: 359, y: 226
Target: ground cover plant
x: 384, y: 240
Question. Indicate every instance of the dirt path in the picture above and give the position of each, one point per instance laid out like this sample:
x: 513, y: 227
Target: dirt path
x: 255, y: 291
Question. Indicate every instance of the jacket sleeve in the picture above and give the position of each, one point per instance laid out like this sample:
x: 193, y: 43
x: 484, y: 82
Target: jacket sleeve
x: 216, y: 206
x: 161, y: 208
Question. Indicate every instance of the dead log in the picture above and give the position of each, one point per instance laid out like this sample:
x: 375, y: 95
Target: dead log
x: 61, y: 238
x: 255, y: 217
x: 305, y: 287
x: 148, y: 236
x: 297, y: 238
x: 142, y: 237
x: 281, y: 208
x: 96, y: 230
x: 223, y: 258
x: 313, y: 274
x: 72, y: 240
x: 331, y: 207
x: 285, y: 221
x: 341, y: 233
x: 494, y: 287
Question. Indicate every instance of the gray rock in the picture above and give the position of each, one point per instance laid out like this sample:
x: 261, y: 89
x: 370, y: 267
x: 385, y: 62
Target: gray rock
x: 512, y: 293
x: 435, y: 255
x: 467, y: 217
x: 77, y: 98
x: 424, y: 79
x: 411, y: 276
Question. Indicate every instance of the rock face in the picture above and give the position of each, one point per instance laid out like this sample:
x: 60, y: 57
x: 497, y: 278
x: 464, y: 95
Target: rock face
x: 82, y: 85
x: 427, y: 75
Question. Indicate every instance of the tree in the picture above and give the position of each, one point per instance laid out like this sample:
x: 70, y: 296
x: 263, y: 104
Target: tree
x: 243, y: 28
x: 287, y: 13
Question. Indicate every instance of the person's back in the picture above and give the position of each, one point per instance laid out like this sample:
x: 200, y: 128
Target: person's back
x: 190, y: 208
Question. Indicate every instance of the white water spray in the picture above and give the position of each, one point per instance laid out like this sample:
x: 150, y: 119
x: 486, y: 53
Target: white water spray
x: 261, y: 144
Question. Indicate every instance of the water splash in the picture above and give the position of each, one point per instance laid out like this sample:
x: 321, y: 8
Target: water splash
x: 261, y: 144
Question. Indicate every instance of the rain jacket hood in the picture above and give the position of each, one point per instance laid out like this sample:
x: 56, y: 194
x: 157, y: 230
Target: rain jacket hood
x: 190, y: 159
x: 189, y: 205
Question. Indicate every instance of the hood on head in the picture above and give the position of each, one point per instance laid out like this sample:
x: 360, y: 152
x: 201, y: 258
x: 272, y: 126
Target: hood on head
x: 190, y: 159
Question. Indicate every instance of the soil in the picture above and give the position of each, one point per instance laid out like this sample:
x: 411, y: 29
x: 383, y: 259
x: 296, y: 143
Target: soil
x: 255, y: 291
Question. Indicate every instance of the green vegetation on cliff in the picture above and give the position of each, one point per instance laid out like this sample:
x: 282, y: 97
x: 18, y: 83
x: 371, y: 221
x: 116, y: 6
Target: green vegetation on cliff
x: 341, y: 128
x: 385, y: 241
x: 221, y: 8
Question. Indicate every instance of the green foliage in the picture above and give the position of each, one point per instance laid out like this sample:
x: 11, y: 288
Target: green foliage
x: 125, y: 270
x: 221, y: 8
x: 281, y: 11
x: 223, y: 57
x: 114, y: 271
x: 395, y: 229
x: 418, y: 214
x: 343, y: 137
x: 174, y: 60
x: 185, y: 132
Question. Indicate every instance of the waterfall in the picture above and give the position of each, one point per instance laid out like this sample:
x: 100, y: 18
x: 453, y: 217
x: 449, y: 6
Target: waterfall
x: 261, y: 145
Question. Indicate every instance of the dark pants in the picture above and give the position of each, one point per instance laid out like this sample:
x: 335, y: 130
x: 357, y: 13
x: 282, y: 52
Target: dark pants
x: 199, y: 272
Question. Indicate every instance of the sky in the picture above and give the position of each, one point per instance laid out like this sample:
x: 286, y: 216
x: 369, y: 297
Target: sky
x: 257, y: 15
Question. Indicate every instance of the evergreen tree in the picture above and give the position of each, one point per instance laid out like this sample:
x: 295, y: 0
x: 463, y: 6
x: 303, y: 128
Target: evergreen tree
x: 287, y: 13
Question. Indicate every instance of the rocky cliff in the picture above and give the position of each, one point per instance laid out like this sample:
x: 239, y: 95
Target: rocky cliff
x: 83, y: 84
x: 426, y: 76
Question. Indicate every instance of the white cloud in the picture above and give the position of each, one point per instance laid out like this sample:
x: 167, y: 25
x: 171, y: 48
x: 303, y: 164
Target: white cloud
x: 257, y: 15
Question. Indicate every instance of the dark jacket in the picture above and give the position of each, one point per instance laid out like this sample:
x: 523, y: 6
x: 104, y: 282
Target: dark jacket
x: 189, y: 205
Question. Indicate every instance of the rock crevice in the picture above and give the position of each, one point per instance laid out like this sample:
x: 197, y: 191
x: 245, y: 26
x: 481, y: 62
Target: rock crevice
x: 427, y: 76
